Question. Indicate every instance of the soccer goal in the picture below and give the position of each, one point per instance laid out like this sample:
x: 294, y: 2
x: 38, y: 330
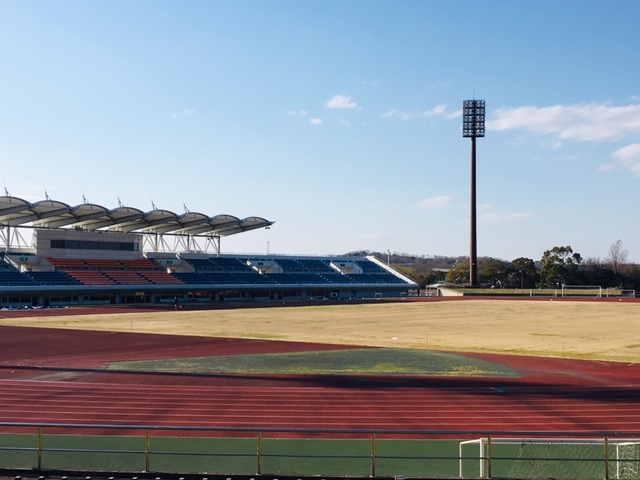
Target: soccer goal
x: 593, y: 291
x: 543, y: 292
x: 559, y: 458
x: 620, y: 292
x: 628, y: 459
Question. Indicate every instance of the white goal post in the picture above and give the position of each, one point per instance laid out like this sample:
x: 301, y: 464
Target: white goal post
x: 566, y: 458
x: 628, y: 459
x: 594, y: 291
x: 543, y: 292
x: 620, y: 292
x: 582, y: 291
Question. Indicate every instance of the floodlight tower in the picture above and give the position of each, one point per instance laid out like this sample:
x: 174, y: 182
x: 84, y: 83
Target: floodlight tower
x: 473, y: 127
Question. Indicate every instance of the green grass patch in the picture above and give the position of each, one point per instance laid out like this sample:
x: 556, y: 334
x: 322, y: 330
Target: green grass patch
x: 369, y: 361
x: 356, y: 457
x: 203, y: 455
x: 18, y: 451
x: 343, y: 457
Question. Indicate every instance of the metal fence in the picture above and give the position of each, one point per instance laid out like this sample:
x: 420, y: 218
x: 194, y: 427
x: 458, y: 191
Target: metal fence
x: 319, y: 452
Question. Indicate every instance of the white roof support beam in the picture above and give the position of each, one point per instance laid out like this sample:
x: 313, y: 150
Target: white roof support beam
x: 16, y: 213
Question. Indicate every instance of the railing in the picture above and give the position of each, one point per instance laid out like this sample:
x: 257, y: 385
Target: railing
x: 319, y: 452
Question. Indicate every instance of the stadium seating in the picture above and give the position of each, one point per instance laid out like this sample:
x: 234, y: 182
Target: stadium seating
x: 207, y: 271
x: 218, y: 264
x: 139, y: 265
x: 9, y: 276
x: 52, y: 278
x: 316, y: 266
x: 272, y: 276
x: 290, y: 265
x: 67, y: 263
x: 90, y: 277
x: 104, y: 264
x: 335, y: 277
x: 191, y: 278
x: 125, y: 277
x: 110, y: 272
x: 230, y: 264
x: 160, y: 278
x: 200, y: 264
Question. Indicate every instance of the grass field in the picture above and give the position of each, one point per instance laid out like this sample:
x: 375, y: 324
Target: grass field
x: 344, y: 457
x: 369, y: 361
x: 355, y: 457
x: 568, y: 329
x: 415, y: 338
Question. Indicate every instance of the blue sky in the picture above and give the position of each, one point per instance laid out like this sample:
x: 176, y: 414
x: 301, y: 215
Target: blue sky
x: 338, y: 120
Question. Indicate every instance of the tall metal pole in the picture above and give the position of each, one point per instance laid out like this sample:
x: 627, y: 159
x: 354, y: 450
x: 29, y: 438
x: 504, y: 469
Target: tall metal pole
x: 473, y: 127
x: 473, y: 252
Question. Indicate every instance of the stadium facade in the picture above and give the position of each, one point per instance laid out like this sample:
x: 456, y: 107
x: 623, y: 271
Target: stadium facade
x: 89, y: 254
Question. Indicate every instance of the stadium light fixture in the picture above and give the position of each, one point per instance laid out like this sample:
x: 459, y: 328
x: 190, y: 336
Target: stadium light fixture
x: 473, y: 118
x: 473, y: 112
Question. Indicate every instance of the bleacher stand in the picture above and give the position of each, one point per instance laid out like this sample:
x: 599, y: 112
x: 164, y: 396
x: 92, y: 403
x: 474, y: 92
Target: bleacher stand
x: 93, y: 254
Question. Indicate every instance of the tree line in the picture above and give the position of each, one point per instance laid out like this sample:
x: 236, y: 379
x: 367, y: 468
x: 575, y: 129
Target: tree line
x: 560, y: 265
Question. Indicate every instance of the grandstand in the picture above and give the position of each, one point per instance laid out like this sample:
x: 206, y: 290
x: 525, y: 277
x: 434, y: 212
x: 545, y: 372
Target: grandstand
x: 88, y: 254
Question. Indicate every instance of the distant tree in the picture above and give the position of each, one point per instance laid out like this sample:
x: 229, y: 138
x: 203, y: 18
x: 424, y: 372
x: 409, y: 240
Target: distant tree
x: 361, y: 253
x: 596, y: 272
x: 631, y: 278
x: 434, y: 277
x: 421, y: 276
x: 459, y: 274
x: 560, y: 267
x: 430, y: 278
x: 522, y: 273
x: 492, y: 272
x: 617, y: 256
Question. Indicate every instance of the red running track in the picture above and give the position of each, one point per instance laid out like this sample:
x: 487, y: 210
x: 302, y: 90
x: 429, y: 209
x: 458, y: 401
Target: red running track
x: 57, y: 376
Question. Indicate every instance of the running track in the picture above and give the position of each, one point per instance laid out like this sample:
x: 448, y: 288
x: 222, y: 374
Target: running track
x: 57, y: 376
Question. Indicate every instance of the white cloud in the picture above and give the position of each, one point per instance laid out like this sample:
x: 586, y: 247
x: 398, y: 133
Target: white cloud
x: 296, y: 113
x: 437, y: 111
x: 435, y: 203
x: 340, y: 101
x: 626, y: 158
x: 505, y: 217
x: 186, y: 112
x: 591, y: 122
x: 315, y: 121
x: 344, y: 123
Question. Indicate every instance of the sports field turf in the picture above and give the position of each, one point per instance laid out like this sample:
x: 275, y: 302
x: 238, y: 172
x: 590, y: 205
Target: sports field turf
x: 345, y: 457
x: 367, y: 361
x: 592, y: 329
x: 345, y: 342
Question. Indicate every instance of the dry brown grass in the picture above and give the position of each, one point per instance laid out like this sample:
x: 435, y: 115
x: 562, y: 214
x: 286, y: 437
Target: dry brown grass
x: 589, y: 330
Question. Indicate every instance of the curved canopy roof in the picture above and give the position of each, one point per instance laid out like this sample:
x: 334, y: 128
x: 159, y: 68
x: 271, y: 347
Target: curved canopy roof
x: 16, y: 212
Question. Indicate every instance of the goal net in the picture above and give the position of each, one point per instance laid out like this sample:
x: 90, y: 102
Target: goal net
x: 628, y: 460
x: 593, y: 291
x: 558, y: 458
x: 620, y: 292
x: 544, y: 292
